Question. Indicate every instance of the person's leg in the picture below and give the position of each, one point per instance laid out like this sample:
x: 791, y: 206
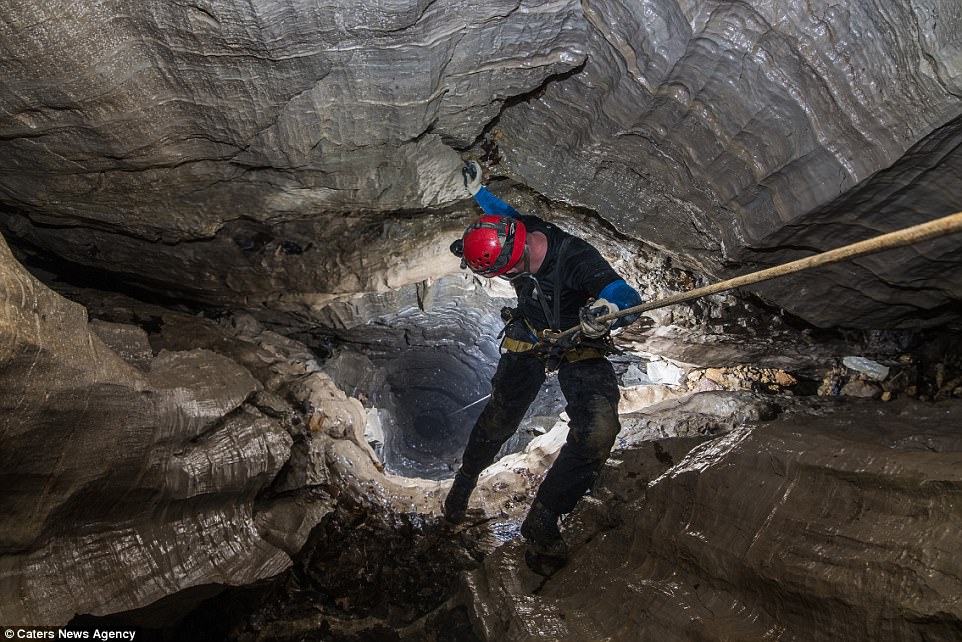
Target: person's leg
x: 514, y: 386
x: 591, y: 390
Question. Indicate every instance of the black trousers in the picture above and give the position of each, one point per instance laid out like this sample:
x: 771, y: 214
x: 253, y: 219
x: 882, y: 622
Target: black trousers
x: 591, y: 391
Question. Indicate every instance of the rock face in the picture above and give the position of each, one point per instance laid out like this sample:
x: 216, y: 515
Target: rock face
x: 139, y: 466
x: 758, y: 133
x: 848, y: 532
x: 213, y: 113
x: 728, y: 135
x: 300, y: 161
x: 108, y: 469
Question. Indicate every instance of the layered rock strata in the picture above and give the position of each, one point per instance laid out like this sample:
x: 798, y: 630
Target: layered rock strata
x: 825, y: 525
x: 730, y: 136
x: 737, y: 136
x: 138, y: 466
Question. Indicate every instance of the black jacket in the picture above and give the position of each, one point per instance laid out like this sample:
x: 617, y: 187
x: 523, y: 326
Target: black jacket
x: 582, y: 275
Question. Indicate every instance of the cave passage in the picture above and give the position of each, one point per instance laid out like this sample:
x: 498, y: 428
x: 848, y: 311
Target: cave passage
x: 431, y: 388
x: 236, y: 221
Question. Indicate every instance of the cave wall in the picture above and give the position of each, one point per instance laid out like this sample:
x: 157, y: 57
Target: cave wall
x: 127, y: 466
x: 735, y: 120
x: 106, y: 468
x: 743, y: 135
x: 211, y: 112
x: 228, y: 150
x: 158, y: 452
x: 836, y: 522
x: 301, y: 160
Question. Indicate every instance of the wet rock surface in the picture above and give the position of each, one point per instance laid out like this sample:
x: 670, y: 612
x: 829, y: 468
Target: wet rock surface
x: 181, y: 456
x: 221, y: 104
x: 108, y: 469
x: 281, y: 182
x: 829, y: 517
x: 704, y: 413
x: 285, y: 154
x: 748, y: 135
x: 848, y: 532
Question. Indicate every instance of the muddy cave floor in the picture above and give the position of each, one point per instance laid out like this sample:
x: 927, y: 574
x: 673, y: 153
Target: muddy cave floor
x: 364, y: 576
x: 368, y: 575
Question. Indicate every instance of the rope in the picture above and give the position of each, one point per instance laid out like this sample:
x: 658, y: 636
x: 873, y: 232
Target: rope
x: 908, y: 236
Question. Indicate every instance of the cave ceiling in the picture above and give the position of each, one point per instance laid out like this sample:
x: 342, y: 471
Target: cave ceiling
x: 280, y: 180
x: 227, y: 151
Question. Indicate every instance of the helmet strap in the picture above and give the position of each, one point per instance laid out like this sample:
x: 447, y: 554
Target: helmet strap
x: 526, y: 258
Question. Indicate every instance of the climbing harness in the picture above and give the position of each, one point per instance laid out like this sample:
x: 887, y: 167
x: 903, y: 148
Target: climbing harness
x: 520, y: 336
x: 908, y: 236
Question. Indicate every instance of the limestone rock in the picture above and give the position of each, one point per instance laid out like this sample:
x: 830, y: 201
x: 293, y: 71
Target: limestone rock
x: 128, y: 341
x: 742, y: 378
x: 701, y: 413
x: 329, y: 410
x: 861, y: 388
x: 245, y: 111
x: 816, y: 528
x: 133, y: 484
x: 301, y: 162
x: 730, y: 133
x: 288, y: 155
x: 637, y: 398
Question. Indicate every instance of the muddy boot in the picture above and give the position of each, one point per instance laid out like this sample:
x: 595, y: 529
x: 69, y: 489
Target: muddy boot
x: 546, y: 551
x: 456, y: 503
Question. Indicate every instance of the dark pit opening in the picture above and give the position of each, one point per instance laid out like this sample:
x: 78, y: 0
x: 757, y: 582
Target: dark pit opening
x: 434, y: 393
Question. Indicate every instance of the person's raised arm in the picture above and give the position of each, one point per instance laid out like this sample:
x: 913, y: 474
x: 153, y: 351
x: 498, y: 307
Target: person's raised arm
x: 490, y: 203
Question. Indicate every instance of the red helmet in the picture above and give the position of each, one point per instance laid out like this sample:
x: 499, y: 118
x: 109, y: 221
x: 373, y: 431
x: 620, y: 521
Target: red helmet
x: 494, y: 244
